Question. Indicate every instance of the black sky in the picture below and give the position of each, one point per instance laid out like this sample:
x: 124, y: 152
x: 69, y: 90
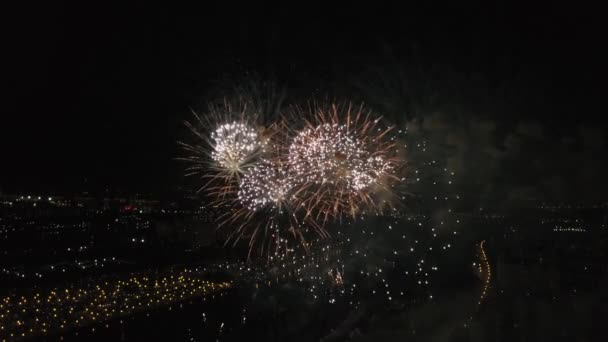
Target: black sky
x: 96, y: 93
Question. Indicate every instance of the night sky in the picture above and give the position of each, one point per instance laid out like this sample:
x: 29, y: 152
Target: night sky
x: 96, y: 95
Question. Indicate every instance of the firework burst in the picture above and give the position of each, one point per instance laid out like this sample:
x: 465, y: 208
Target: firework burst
x: 226, y: 141
x: 274, y: 178
x: 234, y: 146
x: 265, y: 184
x: 343, y: 161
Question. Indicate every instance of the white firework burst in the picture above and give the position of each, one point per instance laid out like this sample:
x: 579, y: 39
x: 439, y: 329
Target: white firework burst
x: 331, y: 154
x: 265, y: 184
x: 234, y: 144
